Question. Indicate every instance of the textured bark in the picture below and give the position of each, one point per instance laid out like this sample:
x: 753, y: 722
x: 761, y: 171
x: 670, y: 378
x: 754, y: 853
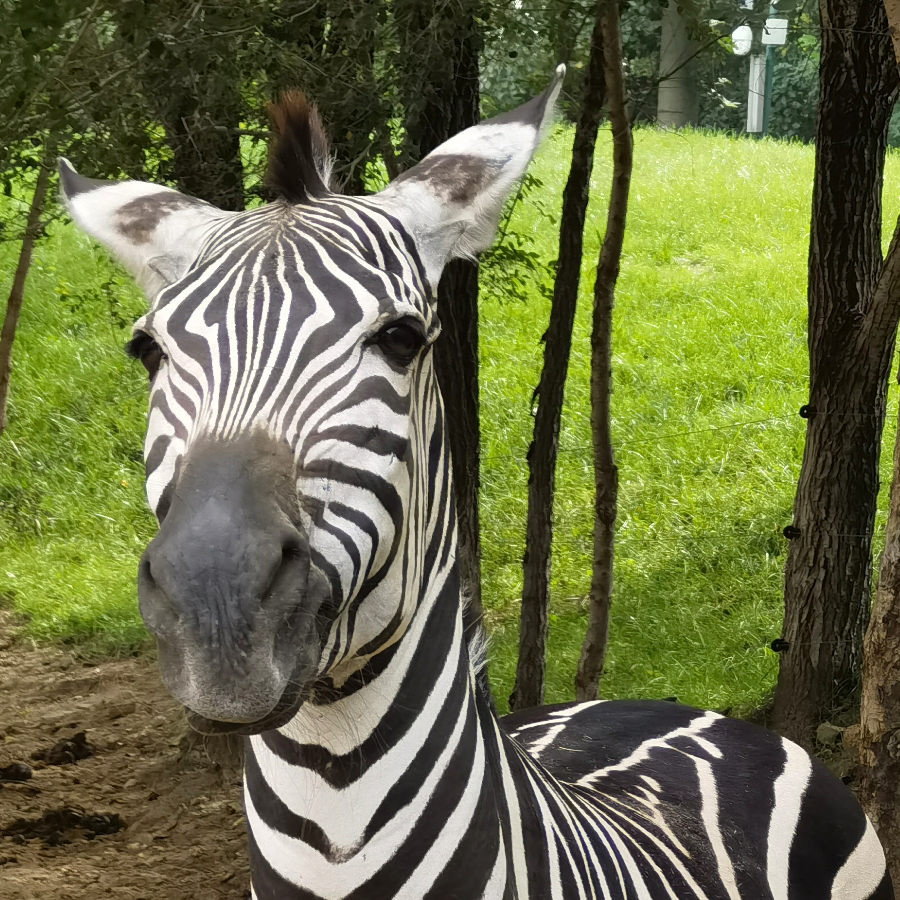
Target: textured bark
x: 456, y: 362
x: 879, y: 737
x: 17, y: 291
x: 529, y: 685
x: 851, y: 336
x: 606, y: 478
x: 892, y: 9
x: 451, y: 105
x: 879, y: 732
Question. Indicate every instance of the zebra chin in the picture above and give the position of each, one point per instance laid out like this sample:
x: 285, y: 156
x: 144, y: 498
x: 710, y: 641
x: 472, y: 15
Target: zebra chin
x: 235, y: 707
x: 261, y: 691
x: 285, y: 710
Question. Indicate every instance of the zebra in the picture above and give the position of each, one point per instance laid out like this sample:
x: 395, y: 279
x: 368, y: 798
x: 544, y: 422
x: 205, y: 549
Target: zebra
x: 303, y: 585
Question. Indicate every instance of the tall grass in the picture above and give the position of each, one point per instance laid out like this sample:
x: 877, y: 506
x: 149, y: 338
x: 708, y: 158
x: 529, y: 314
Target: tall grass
x: 710, y: 370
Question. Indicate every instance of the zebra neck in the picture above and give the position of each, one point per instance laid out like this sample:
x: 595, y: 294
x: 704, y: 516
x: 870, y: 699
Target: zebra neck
x: 394, y: 778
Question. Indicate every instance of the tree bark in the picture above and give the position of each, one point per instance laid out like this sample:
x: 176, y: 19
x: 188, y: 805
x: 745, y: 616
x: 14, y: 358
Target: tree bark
x: 879, y: 733
x: 456, y: 363
x: 678, y: 97
x: 529, y: 686
x: 851, y: 338
x: 451, y: 104
x: 593, y: 650
x: 879, y: 736
x: 17, y: 291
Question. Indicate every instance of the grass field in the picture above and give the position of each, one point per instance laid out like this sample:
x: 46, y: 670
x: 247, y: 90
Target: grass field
x: 710, y: 370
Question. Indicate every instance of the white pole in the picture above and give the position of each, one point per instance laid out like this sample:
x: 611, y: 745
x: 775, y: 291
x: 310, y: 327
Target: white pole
x: 756, y: 93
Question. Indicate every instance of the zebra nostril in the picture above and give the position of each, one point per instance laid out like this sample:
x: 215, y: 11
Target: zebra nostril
x: 286, y: 569
x: 145, y: 575
x: 289, y: 552
x: 157, y: 609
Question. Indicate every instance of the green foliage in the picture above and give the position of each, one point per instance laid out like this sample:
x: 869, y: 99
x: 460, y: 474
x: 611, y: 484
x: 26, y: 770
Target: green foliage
x: 509, y: 75
x: 710, y: 365
x: 67, y: 88
x: 523, y: 44
x: 795, y: 87
x: 513, y: 269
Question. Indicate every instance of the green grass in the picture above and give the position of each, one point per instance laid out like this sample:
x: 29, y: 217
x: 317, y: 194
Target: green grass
x: 710, y: 370
x: 73, y: 518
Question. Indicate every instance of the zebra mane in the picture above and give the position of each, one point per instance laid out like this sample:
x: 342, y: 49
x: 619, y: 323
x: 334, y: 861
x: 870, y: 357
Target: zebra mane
x: 299, y: 157
x: 475, y: 636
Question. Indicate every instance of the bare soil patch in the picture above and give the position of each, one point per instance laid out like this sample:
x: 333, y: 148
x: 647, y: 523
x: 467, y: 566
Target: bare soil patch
x: 128, y: 808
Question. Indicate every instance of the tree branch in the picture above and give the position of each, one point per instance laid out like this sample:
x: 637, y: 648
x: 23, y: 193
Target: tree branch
x: 593, y: 651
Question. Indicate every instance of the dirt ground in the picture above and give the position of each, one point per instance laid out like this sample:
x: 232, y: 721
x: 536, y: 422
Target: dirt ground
x: 119, y: 803
x: 142, y: 817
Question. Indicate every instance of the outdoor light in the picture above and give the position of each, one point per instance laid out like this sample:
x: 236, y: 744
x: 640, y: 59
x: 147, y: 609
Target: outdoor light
x: 759, y: 88
x: 741, y: 40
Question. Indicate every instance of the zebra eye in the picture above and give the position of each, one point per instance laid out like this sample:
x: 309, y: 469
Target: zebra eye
x: 401, y: 341
x: 143, y: 347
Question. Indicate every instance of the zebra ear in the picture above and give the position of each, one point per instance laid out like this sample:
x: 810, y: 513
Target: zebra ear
x: 154, y: 231
x: 451, y: 201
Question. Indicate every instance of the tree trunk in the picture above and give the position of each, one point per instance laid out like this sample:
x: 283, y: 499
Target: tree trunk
x: 451, y: 104
x: 17, y: 291
x: 879, y: 733
x: 456, y: 363
x: 879, y: 737
x: 593, y: 650
x: 678, y: 97
x: 851, y: 337
x: 529, y: 686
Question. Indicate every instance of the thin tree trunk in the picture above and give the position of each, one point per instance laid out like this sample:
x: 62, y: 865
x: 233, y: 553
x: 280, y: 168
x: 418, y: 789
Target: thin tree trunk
x: 593, y: 650
x: 879, y: 734
x: 851, y: 335
x: 17, y: 291
x: 456, y: 363
x: 451, y: 104
x: 678, y: 97
x: 529, y: 686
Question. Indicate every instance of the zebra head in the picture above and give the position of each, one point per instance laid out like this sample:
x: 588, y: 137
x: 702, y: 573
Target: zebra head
x: 294, y: 450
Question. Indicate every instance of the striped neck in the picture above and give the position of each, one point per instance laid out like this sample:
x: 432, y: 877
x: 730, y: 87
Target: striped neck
x: 389, y: 783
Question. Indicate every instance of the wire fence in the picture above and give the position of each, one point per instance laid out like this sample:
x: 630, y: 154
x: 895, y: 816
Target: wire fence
x: 701, y: 540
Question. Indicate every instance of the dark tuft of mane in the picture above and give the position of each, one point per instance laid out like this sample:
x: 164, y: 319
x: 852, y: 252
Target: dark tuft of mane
x: 299, y: 161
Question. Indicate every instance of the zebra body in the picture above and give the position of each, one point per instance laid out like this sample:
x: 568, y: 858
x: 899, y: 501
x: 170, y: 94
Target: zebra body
x: 304, y: 590
x: 610, y: 799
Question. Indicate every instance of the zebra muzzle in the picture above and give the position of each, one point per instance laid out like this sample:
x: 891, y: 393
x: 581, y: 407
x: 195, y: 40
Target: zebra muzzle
x: 227, y: 588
